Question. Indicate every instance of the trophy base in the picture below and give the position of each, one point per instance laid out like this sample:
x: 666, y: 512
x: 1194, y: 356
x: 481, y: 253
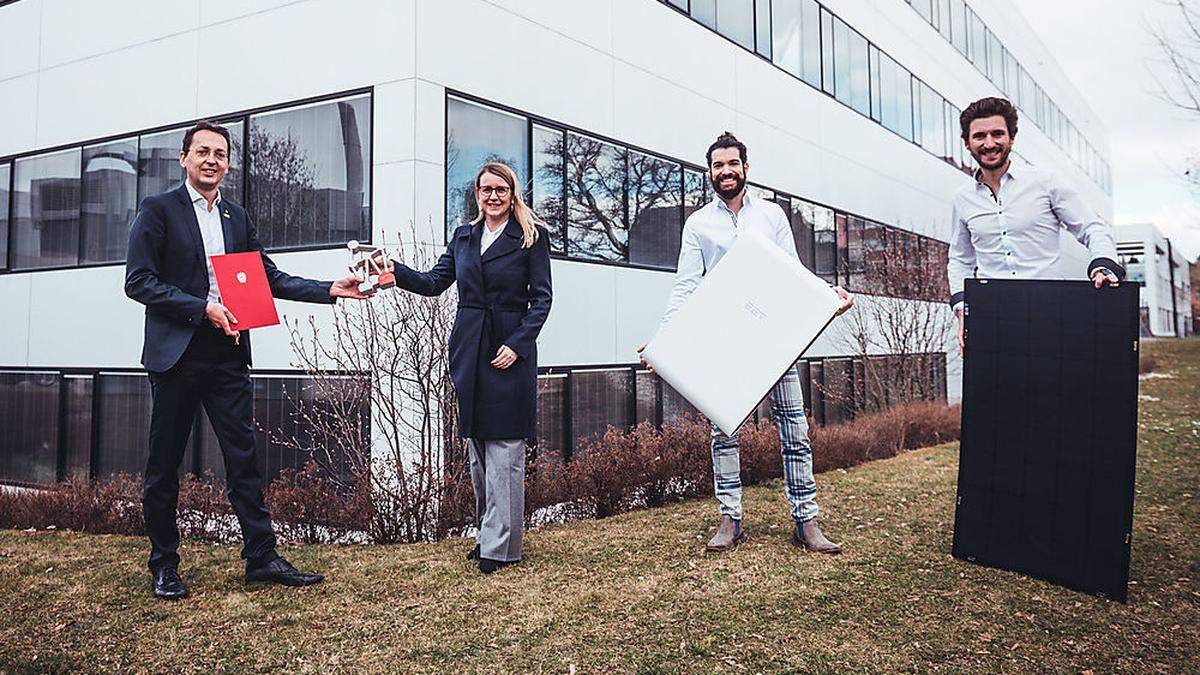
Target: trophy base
x: 366, y: 287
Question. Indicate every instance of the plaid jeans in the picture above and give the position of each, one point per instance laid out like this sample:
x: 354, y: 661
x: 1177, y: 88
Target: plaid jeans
x: 787, y: 407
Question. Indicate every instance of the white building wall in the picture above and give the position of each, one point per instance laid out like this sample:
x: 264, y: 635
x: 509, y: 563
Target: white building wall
x: 632, y: 70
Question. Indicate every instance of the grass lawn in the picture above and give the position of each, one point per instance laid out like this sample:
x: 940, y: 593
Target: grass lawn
x: 637, y: 593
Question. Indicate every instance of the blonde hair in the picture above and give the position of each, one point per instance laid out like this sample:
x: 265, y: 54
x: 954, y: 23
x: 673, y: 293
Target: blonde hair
x: 526, y: 218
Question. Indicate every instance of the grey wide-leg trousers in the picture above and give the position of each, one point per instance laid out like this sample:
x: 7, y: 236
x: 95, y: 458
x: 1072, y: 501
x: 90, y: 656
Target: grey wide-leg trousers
x: 498, y: 476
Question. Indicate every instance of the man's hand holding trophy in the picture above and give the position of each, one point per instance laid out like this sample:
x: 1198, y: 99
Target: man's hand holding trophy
x: 370, y: 266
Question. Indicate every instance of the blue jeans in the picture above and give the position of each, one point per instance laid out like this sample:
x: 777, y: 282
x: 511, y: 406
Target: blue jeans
x: 787, y: 409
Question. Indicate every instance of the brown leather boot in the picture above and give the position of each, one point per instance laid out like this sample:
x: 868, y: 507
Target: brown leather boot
x: 808, y: 535
x: 729, y: 535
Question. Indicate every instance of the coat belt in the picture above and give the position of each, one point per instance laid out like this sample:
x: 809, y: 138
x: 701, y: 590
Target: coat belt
x: 488, y: 308
x: 493, y: 306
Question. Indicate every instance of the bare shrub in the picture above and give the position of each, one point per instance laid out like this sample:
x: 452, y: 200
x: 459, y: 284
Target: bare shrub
x: 390, y: 351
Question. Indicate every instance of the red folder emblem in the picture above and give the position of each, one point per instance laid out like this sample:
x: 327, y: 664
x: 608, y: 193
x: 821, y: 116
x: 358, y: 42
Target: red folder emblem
x: 242, y: 283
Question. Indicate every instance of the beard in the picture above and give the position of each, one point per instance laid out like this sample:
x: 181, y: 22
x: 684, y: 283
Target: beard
x: 1003, y: 158
x: 732, y: 192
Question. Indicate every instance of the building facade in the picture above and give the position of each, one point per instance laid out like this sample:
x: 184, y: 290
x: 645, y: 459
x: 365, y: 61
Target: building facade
x: 1153, y: 262
x: 356, y: 119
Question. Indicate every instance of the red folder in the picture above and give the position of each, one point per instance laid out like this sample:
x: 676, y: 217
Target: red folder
x: 242, y: 283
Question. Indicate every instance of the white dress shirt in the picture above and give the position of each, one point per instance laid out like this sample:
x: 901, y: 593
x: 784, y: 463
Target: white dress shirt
x: 488, y: 236
x: 709, y: 233
x: 1015, y: 234
x: 210, y: 232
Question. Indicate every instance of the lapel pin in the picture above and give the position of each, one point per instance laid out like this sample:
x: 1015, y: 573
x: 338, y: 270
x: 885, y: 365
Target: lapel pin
x: 225, y: 213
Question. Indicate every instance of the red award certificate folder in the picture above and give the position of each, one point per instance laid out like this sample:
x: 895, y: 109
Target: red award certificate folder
x: 242, y: 283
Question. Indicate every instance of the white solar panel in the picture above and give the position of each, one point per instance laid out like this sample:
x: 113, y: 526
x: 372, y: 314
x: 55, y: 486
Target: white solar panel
x: 747, y: 322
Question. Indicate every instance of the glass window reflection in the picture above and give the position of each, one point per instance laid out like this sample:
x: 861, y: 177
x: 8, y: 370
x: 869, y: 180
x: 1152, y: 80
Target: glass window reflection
x: 595, y: 199
x: 655, y: 210
x: 476, y: 135
x: 108, y: 200
x: 45, y: 230
x: 309, y: 173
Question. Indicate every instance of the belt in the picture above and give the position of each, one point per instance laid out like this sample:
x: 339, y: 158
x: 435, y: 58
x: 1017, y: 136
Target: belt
x: 493, y: 306
x: 487, y: 309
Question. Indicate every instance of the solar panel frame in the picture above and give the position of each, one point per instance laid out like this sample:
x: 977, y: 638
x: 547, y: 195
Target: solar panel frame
x: 1049, y: 431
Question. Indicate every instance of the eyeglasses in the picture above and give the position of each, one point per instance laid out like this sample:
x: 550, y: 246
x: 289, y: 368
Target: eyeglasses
x: 488, y: 191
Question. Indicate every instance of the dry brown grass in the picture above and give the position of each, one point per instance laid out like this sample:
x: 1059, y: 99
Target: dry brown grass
x: 635, y: 592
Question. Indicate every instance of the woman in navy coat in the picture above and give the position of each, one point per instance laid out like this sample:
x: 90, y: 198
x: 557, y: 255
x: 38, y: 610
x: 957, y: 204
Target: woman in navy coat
x: 501, y: 262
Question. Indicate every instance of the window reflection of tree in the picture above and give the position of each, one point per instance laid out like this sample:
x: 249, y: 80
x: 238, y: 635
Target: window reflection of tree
x: 621, y: 205
x: 288, y: 205
x: 281, y: 182
x: 595, y: 196
x: 655, y: 212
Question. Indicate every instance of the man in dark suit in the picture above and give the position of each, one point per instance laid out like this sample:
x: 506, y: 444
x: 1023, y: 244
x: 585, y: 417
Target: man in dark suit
x: 195, y: 355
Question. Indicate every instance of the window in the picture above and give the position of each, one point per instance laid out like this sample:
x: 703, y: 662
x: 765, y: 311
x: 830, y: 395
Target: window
x: 476, y: 135
x: 600, y: 398
x: 5, y: 181
x: 158, y: 162
x: 695, y: 191
x: 854, y: 252
x: 552, y: 427
x: 924, y: 8
x: 874, y: 257
x: 655, y: 210
x: 548, y: 147
x: 124, y: 408
x: 958, y: 26
x: 762, y: 27
x: 310, y: 172
x: 76, y: 444
x: 797, y: 38
x: 596, y: 172
x: 977, y: 33
x: 954, y: 136
x: 931, y: 118
x: 803, y: 222
x: 891, y: 100
x: 851, y: 82
x: 735, y: 20
x: 646, y: 393
x: 995, y: 67
x: 29, y: 406
x: 705, y: 11
x: 45, y: 230
x: 825, y: 244
x: 1012, y: 79
x: 233, y: 186
x: 944, y: 18
x: 108, y: 200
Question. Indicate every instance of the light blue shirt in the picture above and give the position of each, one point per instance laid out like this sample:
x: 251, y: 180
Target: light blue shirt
x: 709, y: 233
x: 1015, y: 234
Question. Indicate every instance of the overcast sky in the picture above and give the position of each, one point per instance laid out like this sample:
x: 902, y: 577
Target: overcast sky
x: 1106, y: 49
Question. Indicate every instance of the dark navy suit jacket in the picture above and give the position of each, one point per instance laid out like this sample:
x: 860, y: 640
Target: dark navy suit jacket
x: 165, y: 271
x: 504, y: 297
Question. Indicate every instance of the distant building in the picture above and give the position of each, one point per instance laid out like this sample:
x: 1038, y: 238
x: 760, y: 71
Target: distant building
x: 1151, y: 260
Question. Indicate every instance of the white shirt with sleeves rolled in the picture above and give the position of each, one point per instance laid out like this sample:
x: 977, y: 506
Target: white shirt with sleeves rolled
x: 709, y: 233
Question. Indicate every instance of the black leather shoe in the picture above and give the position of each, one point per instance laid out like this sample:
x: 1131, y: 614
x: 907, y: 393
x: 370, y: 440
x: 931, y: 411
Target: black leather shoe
x: 280, y: 571
x: 167, y: 584
x: 487, y: 565
x: 474, y: 554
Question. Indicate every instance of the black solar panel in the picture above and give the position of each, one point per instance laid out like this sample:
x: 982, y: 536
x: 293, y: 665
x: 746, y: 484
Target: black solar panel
x: 1045, y: 478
